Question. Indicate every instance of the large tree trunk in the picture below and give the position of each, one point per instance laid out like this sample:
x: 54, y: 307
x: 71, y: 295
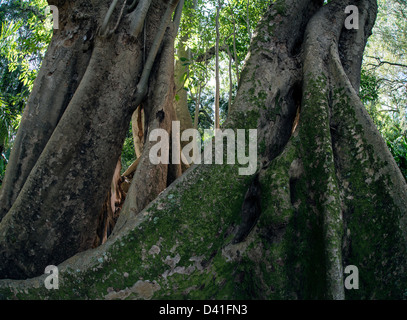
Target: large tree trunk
x: 62, y: 70
x: 55, y: 213
x: 327, y: 193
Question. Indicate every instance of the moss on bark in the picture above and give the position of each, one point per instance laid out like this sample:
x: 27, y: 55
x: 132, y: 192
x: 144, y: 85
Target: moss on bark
x: 332, y: 197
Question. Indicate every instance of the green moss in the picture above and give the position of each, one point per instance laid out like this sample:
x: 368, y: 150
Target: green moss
x: 257, y: 98
x: 273, y: 112
x: 372, y: 218
x: 262, y: 147
x: 280, y: 7
x: 178, y: 227
x: 181, y: 242
x: 262, y: 97
x: 246, y: 120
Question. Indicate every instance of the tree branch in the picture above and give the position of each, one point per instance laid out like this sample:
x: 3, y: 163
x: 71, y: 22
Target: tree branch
x: 177, y: 16
x: 103, y: 28
x: 208, y: 117
x: 383, y: 62
x: 119, y: 19
x: 138, y: 16
x: 210, y: 53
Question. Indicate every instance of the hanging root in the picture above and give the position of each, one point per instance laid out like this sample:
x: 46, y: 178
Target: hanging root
x: 138, y: 16
x: 142, y: 86
x: 103, y: 28
x: 316, y: 136
x: 118, y: 20
x: 177, y: 16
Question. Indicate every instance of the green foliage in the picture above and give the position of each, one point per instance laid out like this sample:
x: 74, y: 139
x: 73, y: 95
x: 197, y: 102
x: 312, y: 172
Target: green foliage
x: 24, y: 37
x: 128, y: 152
x: 398, y: 146
x: 384, y: 77
x: 369, y: 87
x: 206, y: 114
x: 390, y: 126
x: 237, y: 21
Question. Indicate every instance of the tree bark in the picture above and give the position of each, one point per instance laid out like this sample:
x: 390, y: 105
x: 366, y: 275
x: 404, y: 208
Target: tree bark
x: 138, y: 128
x: 56, y: 212
x: 327, y: 193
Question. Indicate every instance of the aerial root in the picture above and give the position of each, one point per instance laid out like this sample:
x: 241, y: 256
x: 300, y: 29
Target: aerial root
x: 142, y: 86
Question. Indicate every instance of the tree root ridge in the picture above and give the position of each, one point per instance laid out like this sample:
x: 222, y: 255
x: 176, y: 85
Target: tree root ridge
x: 90, y: 110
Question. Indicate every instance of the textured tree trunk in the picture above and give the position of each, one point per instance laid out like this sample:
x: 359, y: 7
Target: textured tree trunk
x: 63, y: 69
x: 327, y: 193
x: 55, y: 213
